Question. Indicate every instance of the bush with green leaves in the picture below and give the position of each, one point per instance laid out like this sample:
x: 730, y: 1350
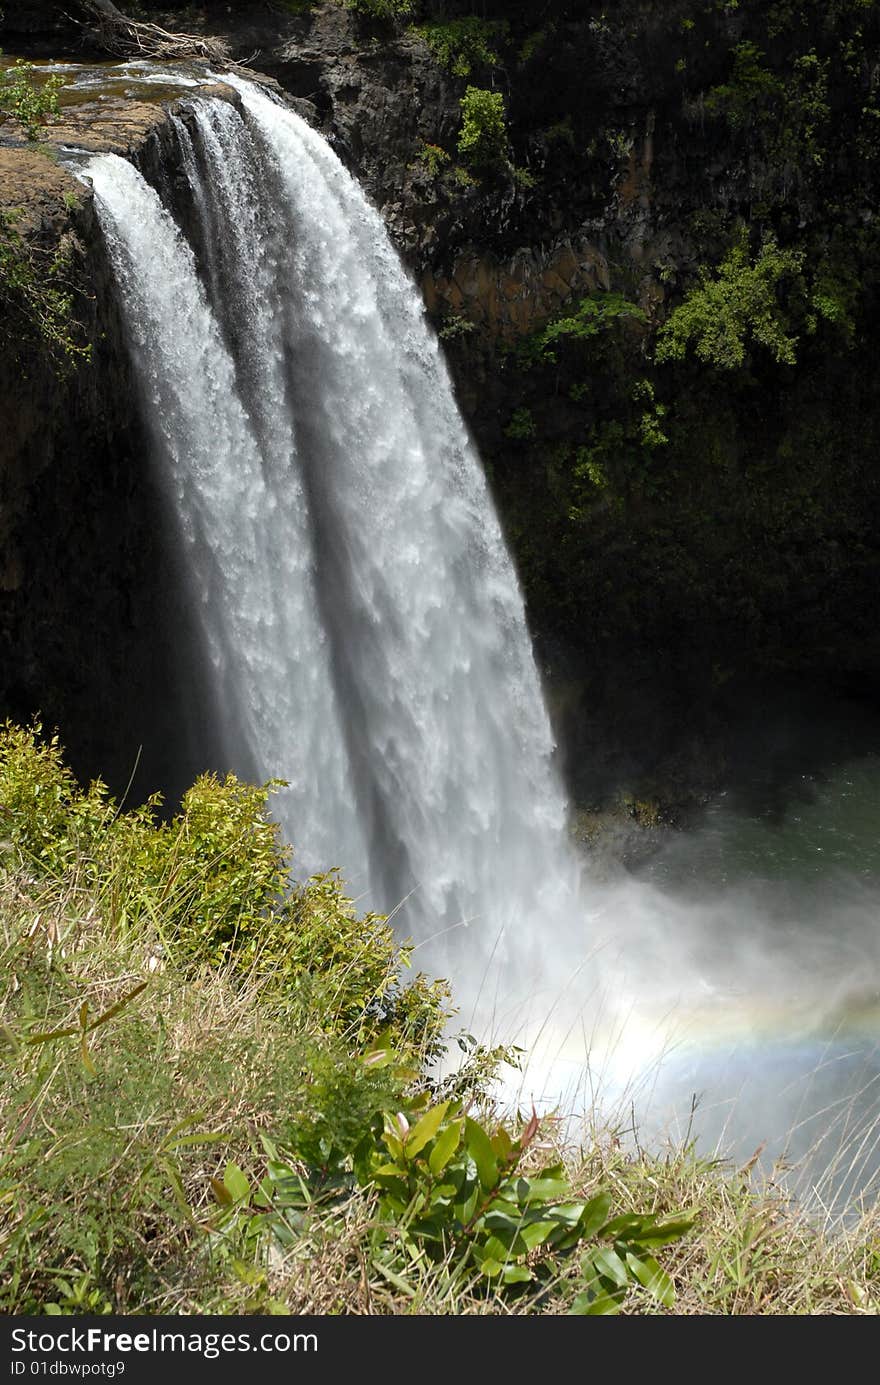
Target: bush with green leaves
x: 381, y: 9
x: 457, y: 1190
x: 220, y: 1057
x: 750, y: 88
x: 27, y: 101
x: 463, y: 44
x: 522, y: 426
x: 460, y: 1194
x: 482, y: 140
x: 737, y: 305
x: 592, y: 317
x: 215, y: 882
x: 434, y: 159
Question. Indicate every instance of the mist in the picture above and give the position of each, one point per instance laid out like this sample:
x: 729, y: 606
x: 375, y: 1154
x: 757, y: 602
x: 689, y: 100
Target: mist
x: 725, y: 991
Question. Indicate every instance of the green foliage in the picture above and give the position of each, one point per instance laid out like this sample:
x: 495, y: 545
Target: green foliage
x: 522, y: 426
x: 738, y: 304
x: 462, y: 179
x: 26, y: 101
x: 535, y: 42
x: 381, y: 9
x: 434, y: 159
x: 750, y: 88
x: 836, y: 292
x: 460, y: 45
x: 215, y: 883
x: 593, y: 316
x: 523, y: 178
x: 482, y: 140
x: 616, y: 459
x: 171, y: 1003
x: 453, y: 1190
x: 455, y: 326
x: 790, y: 108
x: 37, y: 300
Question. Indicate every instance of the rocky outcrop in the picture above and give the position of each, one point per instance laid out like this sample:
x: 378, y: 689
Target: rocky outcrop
x: 90, y: 593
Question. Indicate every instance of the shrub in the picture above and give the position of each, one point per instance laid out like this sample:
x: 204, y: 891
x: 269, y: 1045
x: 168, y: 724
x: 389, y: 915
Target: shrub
x: 521, y: 427
x: 434, y: 159
x: 381, y: 9
x: 483, y: 137
x: 27, y: 102
x: 214, y: 882
x: 457, y: 1191
x: 750, y: 88
x: 462, y: 44
x: 740, y: 302
x: 592, y: 317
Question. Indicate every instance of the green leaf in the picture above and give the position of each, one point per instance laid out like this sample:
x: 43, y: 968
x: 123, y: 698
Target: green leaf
x: 589, y: 1305
x: 536, y: 1233
x: 663, y: 1233
x: 393, y: 1143
x: 516, y: 1274
x: 480, y: 1148
x: 566, y: 1214
x: 86, y: 1056
x: 446, y: 1145
x: 631, y: 1226
x: 206, y: 1138
x: 503, y: 1224
x: 236, y: 1183
x: 649, y: 1274
x: 502, y: 1144
x: 496, y: 1249
x: 542, y: 1189
x: 396, y: 1190
x: 465, y: 1210
x: 609, y: 1264
x: 595, y: 1214
x: 426, y: 1128
x: 221, y: 1192
x: 396, y: 1280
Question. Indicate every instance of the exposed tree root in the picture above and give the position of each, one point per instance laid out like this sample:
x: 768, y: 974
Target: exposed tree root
x: 131, y: 38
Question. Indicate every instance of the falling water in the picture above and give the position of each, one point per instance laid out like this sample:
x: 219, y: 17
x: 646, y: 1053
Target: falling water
x: 360, y: 610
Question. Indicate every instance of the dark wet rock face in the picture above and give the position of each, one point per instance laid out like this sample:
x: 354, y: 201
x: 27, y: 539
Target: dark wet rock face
x: 92, y: 614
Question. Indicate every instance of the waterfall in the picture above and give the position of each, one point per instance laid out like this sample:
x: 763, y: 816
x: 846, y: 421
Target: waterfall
x: 362, y: 618
x: 366, y: 640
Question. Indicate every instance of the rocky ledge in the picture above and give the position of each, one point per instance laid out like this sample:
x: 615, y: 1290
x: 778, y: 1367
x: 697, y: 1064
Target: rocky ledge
x: 88, y: 612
